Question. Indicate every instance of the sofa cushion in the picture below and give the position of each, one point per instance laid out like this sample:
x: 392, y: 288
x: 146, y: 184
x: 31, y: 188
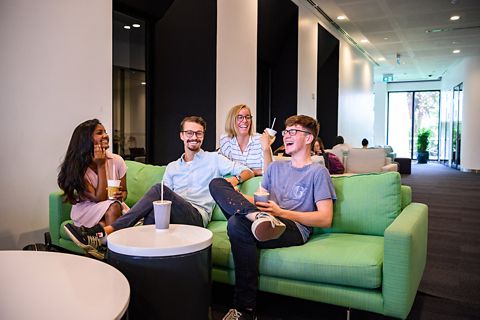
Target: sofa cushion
x: 140, y: 178
x: 366, y: 203
x: 221, y: 254
x: 342, y: 259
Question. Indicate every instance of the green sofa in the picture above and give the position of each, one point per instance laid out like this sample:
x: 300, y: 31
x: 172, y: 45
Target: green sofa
x: 372, y: 258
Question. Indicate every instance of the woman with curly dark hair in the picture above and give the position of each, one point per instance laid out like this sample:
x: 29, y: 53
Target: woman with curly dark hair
x: 84, y: 173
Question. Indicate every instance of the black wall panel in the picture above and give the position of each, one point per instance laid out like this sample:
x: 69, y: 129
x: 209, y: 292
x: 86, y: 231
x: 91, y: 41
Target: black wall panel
x: 184, y: 75
x: 277, y: 64
x: 327, y: 86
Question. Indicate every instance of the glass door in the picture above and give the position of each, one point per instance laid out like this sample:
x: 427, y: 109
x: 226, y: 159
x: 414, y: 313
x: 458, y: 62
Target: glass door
x: 129, y: 87
x: 408, y: 112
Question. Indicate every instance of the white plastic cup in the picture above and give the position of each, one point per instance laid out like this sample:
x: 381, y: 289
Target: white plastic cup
x: 261, y: 196
x: 271, y: 132
x: 113, y: 186
x: 161, y: 210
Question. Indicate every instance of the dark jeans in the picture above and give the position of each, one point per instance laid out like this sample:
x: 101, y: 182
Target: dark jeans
x: 182, y: 212
x: 243, y: 243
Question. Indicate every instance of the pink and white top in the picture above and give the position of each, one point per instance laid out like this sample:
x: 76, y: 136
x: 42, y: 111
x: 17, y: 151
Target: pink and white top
x: 88, y: 213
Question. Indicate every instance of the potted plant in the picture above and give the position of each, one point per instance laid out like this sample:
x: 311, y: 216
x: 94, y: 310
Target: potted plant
x: 423, y: 136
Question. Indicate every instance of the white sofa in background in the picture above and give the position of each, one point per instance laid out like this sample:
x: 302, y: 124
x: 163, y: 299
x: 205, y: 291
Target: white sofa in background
x: 361, y: 160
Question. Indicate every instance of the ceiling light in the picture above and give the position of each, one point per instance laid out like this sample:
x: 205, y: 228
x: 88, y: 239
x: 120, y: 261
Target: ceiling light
x: 143, y: 83
x: 385, y: 38
x: 126, y: 27
x: 456, y: 51
x: 364, y: 41
x: 341, y: 18
x: 381, y: 59
x: 453, y: 18
x: 136, y: 25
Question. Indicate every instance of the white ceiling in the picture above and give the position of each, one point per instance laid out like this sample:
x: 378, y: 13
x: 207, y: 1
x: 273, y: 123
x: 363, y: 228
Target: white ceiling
x: 400, y: 27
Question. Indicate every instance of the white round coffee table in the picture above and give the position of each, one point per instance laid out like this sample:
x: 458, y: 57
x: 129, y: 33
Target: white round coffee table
x: 51, y: 285
x: 164, y: 268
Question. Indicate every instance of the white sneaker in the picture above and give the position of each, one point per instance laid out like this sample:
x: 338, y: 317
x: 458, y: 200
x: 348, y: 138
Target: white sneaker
x: 267, y: 227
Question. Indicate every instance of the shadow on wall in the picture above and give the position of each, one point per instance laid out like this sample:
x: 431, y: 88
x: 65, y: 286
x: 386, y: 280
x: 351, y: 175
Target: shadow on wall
x: 7, y: 239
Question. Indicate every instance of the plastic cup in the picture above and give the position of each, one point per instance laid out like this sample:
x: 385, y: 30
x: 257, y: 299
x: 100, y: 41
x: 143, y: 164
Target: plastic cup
x: 161, y: 210
x: 271, y: 132
x: 113, y: 186
x: 261, y: 196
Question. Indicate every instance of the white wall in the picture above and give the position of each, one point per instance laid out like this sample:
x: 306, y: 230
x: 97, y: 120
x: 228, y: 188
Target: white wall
x: 355, y: 109
x: 236, y: 57
x: 307, y: 62
x: 56, y: 72
x: 468, y: 72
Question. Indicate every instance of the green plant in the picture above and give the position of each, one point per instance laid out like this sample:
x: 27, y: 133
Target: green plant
x: 422, y: 139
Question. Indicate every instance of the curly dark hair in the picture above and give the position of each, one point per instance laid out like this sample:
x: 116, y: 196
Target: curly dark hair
x: 77, y: 159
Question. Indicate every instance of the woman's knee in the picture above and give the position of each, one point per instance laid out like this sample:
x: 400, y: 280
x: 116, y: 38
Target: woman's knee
x: 114, y: 210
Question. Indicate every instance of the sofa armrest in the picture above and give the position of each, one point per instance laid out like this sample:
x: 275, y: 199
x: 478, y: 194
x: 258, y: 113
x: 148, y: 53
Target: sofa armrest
x: 390, y: 167
x: 58, y: 212
x: 405, y: 255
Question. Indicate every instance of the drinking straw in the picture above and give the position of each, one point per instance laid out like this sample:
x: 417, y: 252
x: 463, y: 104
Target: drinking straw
x: 161, y: 196
x: 273, y: 123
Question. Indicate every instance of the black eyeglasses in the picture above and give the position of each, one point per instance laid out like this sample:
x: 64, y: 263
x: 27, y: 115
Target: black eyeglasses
x: 240, y: 117
x: 293, y: 132
x: 190, y: 133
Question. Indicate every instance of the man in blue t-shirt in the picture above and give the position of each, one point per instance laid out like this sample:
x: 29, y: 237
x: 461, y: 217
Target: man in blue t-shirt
x: 301, y: 197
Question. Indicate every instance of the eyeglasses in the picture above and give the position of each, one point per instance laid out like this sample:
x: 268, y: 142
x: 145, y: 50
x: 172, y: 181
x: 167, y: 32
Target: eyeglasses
x: 190, y: 133
x: 293, y: 132
x: 240, y: 117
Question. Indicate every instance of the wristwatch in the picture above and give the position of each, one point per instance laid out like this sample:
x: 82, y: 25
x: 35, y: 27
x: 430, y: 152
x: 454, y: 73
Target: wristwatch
x: 239, y: 178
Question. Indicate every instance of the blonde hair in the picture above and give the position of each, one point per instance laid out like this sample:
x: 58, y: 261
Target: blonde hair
x: 231, y: 121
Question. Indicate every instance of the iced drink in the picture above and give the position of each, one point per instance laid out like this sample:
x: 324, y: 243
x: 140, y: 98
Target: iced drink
x: 162, y: 209
x: 113, y: 186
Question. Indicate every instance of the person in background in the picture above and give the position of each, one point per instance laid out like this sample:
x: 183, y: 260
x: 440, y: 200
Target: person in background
x: 301, y: 197
x: 241, y: 144
x: 185, y: 184
x: 364, y: 143
x: 331, y: 161
x: 83, y: 177
x: 341, y: 145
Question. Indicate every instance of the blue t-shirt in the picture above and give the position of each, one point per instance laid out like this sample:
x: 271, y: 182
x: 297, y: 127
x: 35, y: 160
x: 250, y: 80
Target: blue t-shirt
x: 298, y: 189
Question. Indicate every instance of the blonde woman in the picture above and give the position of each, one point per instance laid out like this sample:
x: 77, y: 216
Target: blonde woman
x: 242, y: 144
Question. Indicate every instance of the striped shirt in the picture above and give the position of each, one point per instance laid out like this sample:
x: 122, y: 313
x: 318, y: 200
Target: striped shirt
x: 251, y: 157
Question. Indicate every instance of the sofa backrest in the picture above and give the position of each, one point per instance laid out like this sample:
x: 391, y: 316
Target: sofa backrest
x: 366, y: 203
x: 140, y: 178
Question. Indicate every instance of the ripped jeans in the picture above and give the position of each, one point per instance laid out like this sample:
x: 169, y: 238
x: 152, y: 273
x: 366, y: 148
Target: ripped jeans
x: 243, y: 243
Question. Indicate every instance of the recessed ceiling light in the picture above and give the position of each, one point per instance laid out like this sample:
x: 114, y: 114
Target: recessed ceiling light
x: 456, y: 51
x: 341, y: 18
x: 385, y: 38
x: 453, y: 18
x: 136, y: 25
x: 126, y: 27
x: 381, y: 59
x: 143, y: 83
x: 364, y: 41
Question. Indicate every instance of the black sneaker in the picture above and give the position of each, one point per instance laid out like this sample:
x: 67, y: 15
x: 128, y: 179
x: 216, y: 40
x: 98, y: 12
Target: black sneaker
x: 234, y: 314
x: 89, y: 239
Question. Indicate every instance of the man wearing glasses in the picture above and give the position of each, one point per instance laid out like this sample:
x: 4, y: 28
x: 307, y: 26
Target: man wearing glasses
x: 301, y: 197
x: 186, y: 183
